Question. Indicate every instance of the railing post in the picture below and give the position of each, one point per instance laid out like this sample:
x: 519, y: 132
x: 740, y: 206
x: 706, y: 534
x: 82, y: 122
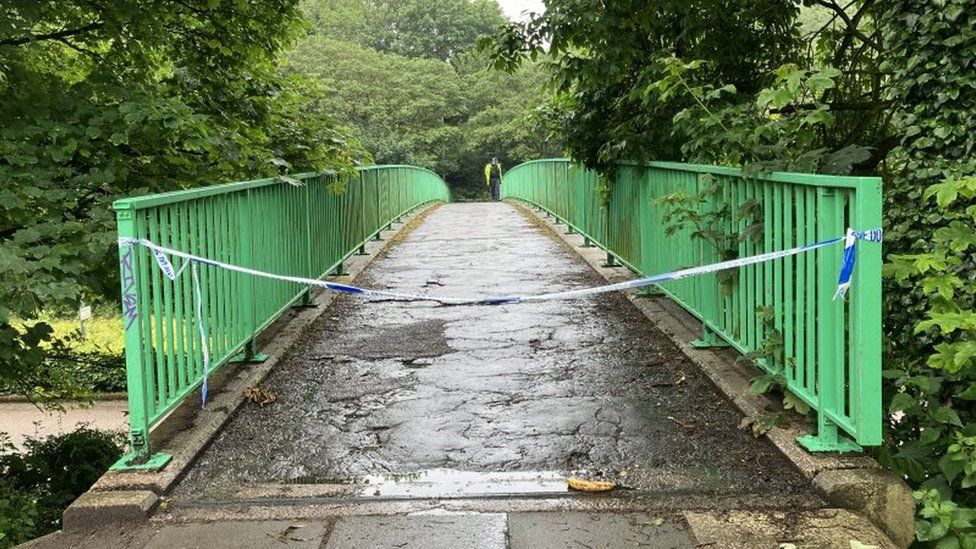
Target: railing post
x: 830, y: 337
x: 245, y: 213
x: 711, y: 294
x: 611, y: 260
x: 140, y: 454
x: 865, y: 295
x: 379, y: 220
x: 307, y: 300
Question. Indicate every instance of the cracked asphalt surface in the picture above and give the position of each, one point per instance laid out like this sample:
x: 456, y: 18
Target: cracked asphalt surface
x: 587, y: 386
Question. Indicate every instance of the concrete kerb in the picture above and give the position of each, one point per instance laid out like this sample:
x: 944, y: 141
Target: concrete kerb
x: 853, y: 482
x: 186, y: 432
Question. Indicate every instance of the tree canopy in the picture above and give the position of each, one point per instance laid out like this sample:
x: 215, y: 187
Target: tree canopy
x: 443, y: 30
x: 407, y: 101
x: 134, y: 96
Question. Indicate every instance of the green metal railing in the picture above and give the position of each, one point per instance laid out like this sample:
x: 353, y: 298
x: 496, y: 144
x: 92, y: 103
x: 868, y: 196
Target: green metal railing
x: 306, y: 230
x: 829, y: 350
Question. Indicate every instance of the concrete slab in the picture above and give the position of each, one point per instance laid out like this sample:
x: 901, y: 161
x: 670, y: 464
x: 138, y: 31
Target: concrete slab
x: 450, y: 531
x: 232, y: 535
x: 92, y: 511
x: 881, y: 496
x: 596, y: 531
x: 821, y: 529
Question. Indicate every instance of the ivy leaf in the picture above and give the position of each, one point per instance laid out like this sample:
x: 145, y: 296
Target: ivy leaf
x: 280, y: 162
x: 958, y: 236
x: 944, y: 284
x: 291, y: 181
x: 761, y: 385
x: 948, y: 322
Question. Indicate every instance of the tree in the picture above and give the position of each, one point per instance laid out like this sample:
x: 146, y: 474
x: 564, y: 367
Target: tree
x: 443, y: 30
x: 605, y: 58
x: 422, y: 110
x: 100, y: 101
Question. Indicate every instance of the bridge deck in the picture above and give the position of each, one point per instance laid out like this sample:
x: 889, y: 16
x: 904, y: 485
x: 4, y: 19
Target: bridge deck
x: 531, y: 391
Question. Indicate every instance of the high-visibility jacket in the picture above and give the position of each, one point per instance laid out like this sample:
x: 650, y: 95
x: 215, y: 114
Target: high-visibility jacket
x: 488, y: 167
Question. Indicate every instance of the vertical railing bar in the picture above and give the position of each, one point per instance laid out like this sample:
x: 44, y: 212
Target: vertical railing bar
x: 169, y: 308
x: 157, y: 339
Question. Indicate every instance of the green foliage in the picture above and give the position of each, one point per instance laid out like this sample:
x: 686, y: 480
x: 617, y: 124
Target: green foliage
x: 412, y: 106
x: 945, y: 522
x: 705, y: 216
x: 935, y: 397
x: 933, y: 89
x: 103, y: 100
x: 444, y: 29
x: 37, y: 484
x: 18, y: 512
x: 608, y: 58
x: 930, y: 233
x: 771, y: 357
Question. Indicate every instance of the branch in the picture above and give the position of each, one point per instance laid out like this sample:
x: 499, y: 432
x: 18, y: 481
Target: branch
x: 51, y: 36
x: 852, y: 23
x: 79, y: 49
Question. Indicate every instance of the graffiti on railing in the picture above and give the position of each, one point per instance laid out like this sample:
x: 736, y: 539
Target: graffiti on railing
x: 130, y: 303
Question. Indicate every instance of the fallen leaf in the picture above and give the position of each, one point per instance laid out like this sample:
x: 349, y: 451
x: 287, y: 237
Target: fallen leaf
x: 288, y: 534
x: 259, y: 396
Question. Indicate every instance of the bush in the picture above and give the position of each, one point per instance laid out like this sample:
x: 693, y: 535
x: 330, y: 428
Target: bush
x: 934, y: 435
x: 69, y: 374
x: 39, y: 483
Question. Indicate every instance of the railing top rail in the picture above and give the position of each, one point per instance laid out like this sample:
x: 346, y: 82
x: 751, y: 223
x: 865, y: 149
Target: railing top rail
x: 162, y: 199
x: 810, y: 179
x: 388, y: 166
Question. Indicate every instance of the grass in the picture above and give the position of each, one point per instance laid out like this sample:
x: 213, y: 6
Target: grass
x: 93, y: 364
x: 104, y: 331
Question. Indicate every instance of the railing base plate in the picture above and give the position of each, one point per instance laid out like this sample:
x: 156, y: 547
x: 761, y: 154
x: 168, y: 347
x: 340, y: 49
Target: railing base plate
x: 256, y: 358
x: 814, y: 443
x: 131, y: 462
x: 709, y: 343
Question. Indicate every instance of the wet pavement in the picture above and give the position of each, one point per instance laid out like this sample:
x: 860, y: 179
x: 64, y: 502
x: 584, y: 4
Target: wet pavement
x: 438, y: 531
x: 380, y: 390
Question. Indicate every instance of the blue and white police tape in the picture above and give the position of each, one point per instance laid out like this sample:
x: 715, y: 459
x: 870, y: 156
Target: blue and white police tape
x: 162, y: 255
x: 850, y: 256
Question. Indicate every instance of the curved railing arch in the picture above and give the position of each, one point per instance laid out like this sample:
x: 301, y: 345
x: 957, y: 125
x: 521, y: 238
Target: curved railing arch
x: 271, y: 225
x: 831, y: 349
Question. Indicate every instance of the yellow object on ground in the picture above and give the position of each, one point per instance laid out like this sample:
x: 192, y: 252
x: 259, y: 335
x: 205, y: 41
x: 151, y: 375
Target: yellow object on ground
x: 581, y: 485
